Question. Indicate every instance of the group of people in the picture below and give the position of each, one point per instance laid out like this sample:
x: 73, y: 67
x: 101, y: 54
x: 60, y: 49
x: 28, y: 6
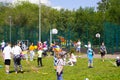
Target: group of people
x: 15, y: 51
x: 90, y: 52
x: 59, y: 56
x: 20, y: 51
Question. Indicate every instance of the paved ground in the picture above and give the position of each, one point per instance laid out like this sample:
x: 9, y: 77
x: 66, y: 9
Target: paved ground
x: 99, y: 56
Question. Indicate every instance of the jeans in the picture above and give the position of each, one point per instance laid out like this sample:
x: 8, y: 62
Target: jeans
x: 17, y: 62
x: 59, y: 77
x: 32, y: 55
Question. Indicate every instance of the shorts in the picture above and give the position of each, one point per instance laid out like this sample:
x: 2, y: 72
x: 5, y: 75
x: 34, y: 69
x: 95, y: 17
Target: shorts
x: 7, y: 62
x: 103, y: 53
x: 90, y: 61
x: 78, y: 49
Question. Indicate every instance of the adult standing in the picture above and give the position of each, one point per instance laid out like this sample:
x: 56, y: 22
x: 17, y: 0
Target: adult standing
x: 32, y: 53
x: 45, y: 48
x: 103, y: 51
x: 7, y: 57
x: 89, y: 45
x: 78, y: 46
x: 16, y: 50
x: 39, y: 45
x: 2, y: 45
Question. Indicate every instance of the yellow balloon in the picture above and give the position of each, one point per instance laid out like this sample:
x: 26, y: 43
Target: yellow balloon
x: 35, y: 47
x: 24, y: 52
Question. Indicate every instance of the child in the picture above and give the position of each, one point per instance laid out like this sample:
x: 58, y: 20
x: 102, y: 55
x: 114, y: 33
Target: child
x: 40, y: 58
x: 72, y: 59
x: 59, y: 68
x: 118, y: 61
x: 103, y: 51
x: 7, y: 57
x: 90, y: 54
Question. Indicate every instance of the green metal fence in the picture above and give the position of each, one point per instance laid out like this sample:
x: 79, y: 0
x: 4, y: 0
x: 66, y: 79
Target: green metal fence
x: 112, y: 37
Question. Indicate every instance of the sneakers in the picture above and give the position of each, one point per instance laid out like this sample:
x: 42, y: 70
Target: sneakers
x: 21, y: 71
x: 16, y: 72
x: 7, y: 72
x: 90, y: 67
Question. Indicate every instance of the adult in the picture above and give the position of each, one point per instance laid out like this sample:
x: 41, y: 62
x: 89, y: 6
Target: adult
x: 16, y: 50
x: 103, y: 51
x: 2, y: 45
x: 89, y: 45
x: 78, y: 46
x: 32, y: 53
x: 7, y: 57
x: 45, y: 48
x: 24, y: 47
x: 39, y: 45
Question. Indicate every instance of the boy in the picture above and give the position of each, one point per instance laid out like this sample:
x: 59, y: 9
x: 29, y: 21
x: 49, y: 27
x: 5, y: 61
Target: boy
x: 90, y: 54
x: 7, y: 57
x: 59, y: 68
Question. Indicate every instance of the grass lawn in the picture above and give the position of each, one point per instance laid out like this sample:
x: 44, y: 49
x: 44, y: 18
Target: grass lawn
x: 101, y: 71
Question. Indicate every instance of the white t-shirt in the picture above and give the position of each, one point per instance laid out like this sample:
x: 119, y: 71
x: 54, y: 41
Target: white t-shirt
x: 78, y: 44
x: 73, y: 58
x: 3, y: 44
x: 7, y: 52
x: 40, y: 53
x: 16, y: 50
x: 89, y: 46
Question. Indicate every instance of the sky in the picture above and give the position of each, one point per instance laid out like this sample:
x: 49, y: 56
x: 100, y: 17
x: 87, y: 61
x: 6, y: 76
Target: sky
x: 66, y: 4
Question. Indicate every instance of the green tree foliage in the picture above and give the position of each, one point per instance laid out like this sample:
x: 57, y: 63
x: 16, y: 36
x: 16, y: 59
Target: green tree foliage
x: 82, y: 23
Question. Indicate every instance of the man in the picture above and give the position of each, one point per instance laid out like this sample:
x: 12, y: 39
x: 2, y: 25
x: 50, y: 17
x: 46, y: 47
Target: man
x: 78, y: 46
x: 7, y: 57
x: 16, y: 50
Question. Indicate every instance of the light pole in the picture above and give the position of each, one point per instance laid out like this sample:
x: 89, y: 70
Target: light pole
x: 52, y: 31
x: 50, y: 36
x: 39, y: 20
x: 10, y: 27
